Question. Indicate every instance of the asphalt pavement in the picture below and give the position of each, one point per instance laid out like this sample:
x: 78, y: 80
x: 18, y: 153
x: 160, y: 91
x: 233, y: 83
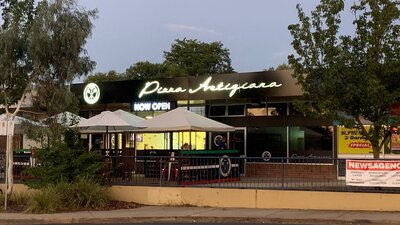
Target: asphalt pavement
x: 199, y: 214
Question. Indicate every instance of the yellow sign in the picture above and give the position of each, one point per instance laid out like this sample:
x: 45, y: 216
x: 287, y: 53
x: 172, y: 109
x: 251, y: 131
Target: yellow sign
x: 350, y: 141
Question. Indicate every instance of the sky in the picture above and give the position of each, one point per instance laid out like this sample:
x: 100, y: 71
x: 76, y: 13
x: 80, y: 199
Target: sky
x: 129, y: 31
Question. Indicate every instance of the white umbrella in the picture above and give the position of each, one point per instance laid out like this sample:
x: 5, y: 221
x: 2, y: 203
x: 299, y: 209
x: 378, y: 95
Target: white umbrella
x: 181, y: 119
x: 18, y: 121
x: 107, y: 121
x: 129, y: 117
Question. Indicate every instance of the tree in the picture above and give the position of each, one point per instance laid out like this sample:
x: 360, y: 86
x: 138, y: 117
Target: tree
x: 148, y: 70
x: 198, y: 58
x: 283, y: 66
x: 41, y: 48
x: 358, y: 75
x: 186, y: 58
x: 112, y: 75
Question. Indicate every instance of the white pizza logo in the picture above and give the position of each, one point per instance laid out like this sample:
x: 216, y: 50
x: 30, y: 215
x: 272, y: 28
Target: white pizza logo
x: 91, y: 93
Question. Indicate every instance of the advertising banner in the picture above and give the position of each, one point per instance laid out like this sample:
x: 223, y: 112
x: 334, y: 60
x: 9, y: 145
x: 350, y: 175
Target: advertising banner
x: 350, y: 141
x: 373, y: 173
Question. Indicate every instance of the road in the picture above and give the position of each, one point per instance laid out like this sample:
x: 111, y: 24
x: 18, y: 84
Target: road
x: 215, y: 222
x: 182, y: 223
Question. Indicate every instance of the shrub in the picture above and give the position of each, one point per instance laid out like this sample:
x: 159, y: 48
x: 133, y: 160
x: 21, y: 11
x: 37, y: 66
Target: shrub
x: 16, y: 200
x: 88, y: 194
x: 84, y: 193
x: 64, y: 192
x: 46, y: 200
x: 60, y: 163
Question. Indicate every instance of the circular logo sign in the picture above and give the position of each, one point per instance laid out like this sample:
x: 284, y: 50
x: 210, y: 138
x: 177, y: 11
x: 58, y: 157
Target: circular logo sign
x: 225, y: 166
x: 91, y: 93
x: 266, y: 156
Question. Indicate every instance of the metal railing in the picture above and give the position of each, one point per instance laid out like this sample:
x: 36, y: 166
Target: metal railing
x: 293, y: 173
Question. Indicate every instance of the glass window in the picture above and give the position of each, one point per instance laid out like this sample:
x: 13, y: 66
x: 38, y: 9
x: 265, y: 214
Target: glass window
x: 152, y: 141
x: 272, y: 139
x: 129, y: 140
x: 236, y: 110
x: 217, y: 110
x: 277, y: 109
x: 257, y: 110
x: 311, y: 141
x: 115, y: 141
x: 201, y: 110
x: 189, y: 140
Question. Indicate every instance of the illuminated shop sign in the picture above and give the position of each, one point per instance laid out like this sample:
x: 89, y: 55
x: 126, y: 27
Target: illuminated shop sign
x: 91, y: 93
x: 151, y: 106
x: 152, y: 87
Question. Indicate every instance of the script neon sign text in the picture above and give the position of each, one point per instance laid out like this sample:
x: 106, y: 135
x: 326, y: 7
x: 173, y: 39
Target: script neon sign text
x: 154, y: 87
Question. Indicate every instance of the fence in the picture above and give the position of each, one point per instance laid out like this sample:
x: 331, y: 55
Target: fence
x: 294, y: 173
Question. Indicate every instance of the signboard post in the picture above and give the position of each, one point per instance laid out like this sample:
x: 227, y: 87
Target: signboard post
x: 7, y: 129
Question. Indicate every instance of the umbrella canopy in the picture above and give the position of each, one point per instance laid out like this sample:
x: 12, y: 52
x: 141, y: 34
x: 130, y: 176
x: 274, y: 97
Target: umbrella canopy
x: 107, y: 121
x: 17, y: 119
x: 67, y: 118
x: 181, y: 119
x: 129, y: 117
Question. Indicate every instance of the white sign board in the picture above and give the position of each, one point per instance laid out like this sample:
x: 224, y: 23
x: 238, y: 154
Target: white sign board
x: 373, y: 173
x: 6, y: 130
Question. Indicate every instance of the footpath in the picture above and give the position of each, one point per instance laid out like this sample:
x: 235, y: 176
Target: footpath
x: 198, y: 214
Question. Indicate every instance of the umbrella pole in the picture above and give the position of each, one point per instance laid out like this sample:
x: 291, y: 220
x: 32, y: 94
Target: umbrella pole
x: 190, y: 140
x: 171, y: 147
x: 228, y: 140
x: 90, y: 142
x: 135, y: 150
x: 106, y: 140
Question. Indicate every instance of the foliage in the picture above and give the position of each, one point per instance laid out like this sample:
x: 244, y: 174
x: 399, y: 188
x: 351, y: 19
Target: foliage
x: 64, y: 161
x: 46, y: 200
x: 14, y: 62
x: 356, y: 76
x: 83, y: 193
x: 198, y: 58
x: 147, y: 70
x: 19, y: 200
x: 187, y: 57
x: 41, y: 51
x: 112, y: 75
x: 283, y: 66
x: 87, y: 193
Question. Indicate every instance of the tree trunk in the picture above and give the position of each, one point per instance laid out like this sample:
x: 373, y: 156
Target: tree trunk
x: 10, y: 164
x: 376, y: 151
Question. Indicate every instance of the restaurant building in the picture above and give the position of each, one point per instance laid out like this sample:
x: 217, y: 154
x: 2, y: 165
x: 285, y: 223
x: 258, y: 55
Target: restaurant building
x: 260, y: 105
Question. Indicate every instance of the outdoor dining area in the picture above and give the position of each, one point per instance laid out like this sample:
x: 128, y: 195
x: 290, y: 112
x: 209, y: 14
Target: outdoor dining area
x: 166, y: 147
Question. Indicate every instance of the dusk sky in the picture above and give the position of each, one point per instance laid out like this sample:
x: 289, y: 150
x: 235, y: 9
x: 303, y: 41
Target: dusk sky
x: 129, y: 31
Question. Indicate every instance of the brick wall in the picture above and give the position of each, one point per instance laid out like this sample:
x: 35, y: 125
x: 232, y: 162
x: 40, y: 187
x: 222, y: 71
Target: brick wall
x: 291, y: 170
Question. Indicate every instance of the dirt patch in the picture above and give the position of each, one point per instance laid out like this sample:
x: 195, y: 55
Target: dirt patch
x: 113, y: 205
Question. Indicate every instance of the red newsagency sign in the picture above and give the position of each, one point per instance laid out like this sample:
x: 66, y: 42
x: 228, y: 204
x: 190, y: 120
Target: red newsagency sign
x: 373, y: 173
